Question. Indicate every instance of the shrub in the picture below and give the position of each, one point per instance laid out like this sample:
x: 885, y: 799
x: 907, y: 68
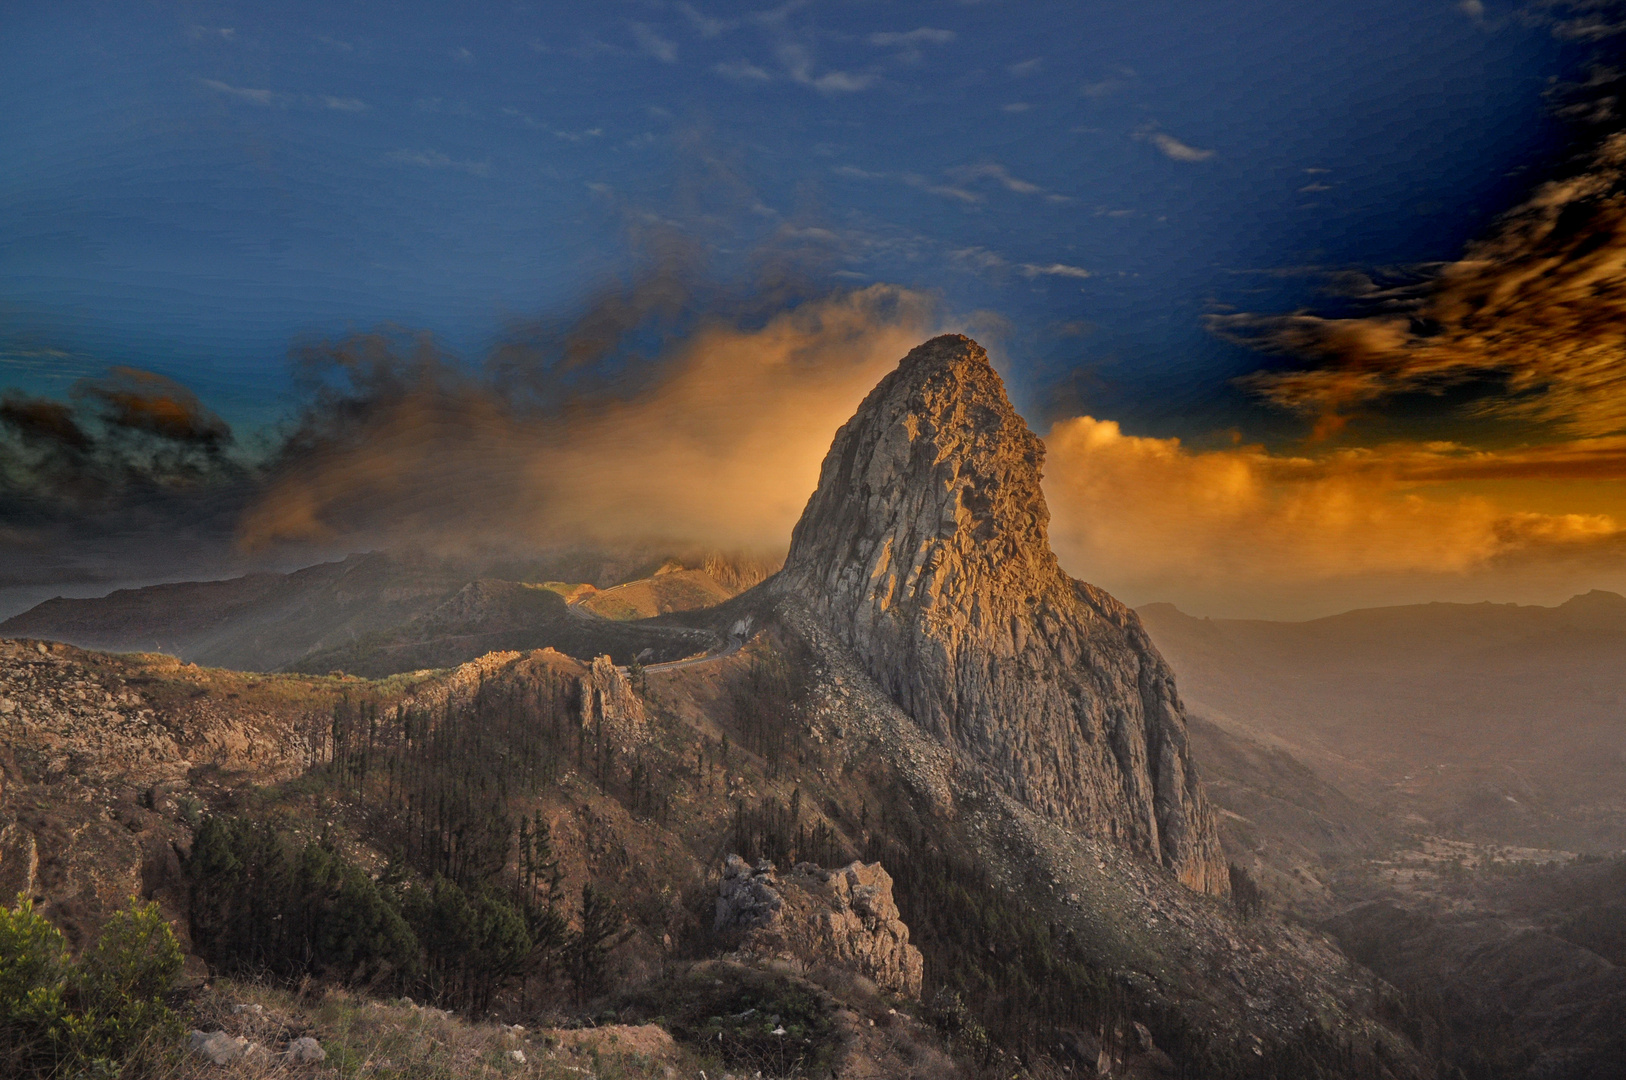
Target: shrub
x: 33, y: 974
x: 1246, y: 896
x: 93, y: 1017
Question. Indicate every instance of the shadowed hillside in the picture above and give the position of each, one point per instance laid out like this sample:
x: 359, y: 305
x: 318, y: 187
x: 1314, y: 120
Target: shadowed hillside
x: 1495, y: 721
x: 387, y: 612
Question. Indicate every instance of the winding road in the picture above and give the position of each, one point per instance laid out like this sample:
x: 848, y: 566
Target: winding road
x: 738, y: 634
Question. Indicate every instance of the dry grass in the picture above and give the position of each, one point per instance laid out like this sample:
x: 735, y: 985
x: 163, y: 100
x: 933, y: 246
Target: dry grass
x: 400, y: 1040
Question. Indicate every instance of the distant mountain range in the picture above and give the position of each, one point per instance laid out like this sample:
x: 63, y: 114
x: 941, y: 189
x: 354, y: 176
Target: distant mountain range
x: 379, y: 613
x: 1500, y: 721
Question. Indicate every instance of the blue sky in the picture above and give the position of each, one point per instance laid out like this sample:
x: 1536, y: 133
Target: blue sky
x: 190, y: 188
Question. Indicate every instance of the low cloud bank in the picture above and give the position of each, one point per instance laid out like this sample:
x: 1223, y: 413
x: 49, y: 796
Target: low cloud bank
x: 1243, y: 530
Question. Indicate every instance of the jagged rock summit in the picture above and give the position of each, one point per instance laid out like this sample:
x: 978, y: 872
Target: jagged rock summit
x: 925, y: 550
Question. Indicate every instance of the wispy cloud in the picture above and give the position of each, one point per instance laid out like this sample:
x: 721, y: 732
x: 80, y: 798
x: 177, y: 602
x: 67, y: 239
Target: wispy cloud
x: 915, y: 180
x: 1311, y: 189
x: 1016, y: 107
x: 909, y: 179
x: 650, y: 42
x: 1173, y: 148
x: 925, y: 35
x: 798, y: 65
x: 705, y: 25
x: 1033, y: 270
x: 435, y: 106
x: 463, y: 55
x: 216, y: 33
x: 911, y: 43
x: 348, y: 104
x: 989, y: 170
x: 524, y: 117
x: 960, y: 178
x: 1026, y: 67
x: 742, y: 71
x: 259, y: 97
x: 537, y: 125
x: 434, y: 159
x: 980, y: 257
x: 335, y: 44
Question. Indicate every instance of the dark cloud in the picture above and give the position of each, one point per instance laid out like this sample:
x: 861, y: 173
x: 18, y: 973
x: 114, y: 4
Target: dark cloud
x: 42, y: 421
x: 1527, y: 327
x: 131, y: 399
x: 129, y: 478
x: 1533, y: 317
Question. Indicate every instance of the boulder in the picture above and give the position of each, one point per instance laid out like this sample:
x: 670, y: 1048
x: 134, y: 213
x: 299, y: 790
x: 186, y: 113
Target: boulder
x: 217, y: 1047
x: 812, y: 917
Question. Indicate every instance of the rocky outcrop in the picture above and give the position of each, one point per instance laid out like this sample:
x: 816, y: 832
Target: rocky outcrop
x: 611, y: 707
x: 925, y: 550
x: 813, y: 917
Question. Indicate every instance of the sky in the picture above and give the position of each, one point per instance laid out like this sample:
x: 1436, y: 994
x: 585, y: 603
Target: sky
x: 1315, y: 306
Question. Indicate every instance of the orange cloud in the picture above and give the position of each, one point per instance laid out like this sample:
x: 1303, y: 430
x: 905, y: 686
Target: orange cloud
x: 1243, y: 526
x: 722, y: 447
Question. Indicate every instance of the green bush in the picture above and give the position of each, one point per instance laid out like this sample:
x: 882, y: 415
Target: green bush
x: 475, y: 943
x: 261, y: 903
x: 91, y: 1018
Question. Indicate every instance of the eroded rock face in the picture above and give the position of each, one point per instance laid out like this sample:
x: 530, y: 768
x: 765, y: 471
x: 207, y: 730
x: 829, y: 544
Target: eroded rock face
x: 842, y: 918
x: 609, y: 704
x: 925, y: 549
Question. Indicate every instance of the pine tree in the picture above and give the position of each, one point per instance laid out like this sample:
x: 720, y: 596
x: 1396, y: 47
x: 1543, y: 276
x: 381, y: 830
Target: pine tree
x: 601, y: 930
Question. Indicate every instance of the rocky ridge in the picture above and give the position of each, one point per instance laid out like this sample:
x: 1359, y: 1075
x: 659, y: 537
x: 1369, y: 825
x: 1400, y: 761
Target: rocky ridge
x: 925, y: 550
x: 609, y: 704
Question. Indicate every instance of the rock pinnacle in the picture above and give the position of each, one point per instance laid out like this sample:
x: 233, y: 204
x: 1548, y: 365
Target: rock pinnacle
x: 925, y: 549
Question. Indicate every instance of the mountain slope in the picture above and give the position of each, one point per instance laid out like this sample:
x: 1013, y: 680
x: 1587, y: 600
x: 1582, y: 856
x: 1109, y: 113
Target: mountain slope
x: 925, y: 550
x: 497, y: 616
x: 254, y: 623
x: 339, y: 615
